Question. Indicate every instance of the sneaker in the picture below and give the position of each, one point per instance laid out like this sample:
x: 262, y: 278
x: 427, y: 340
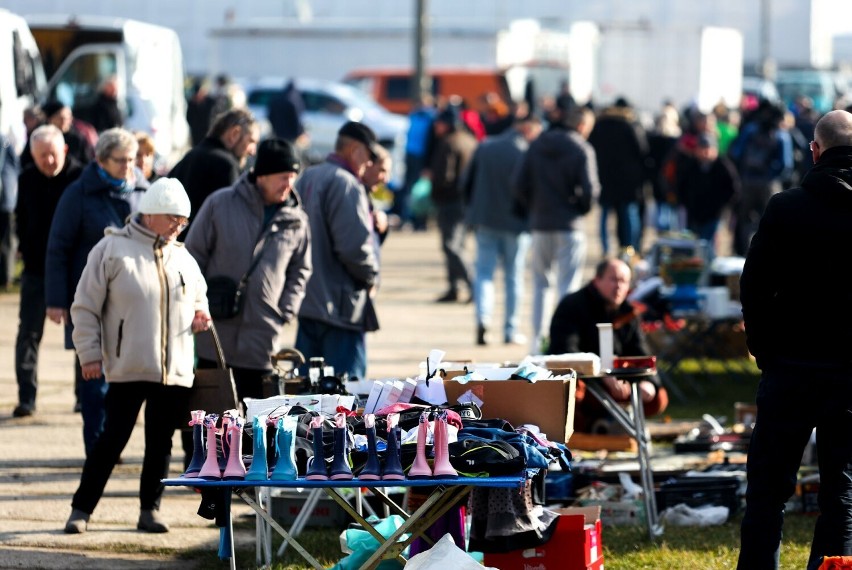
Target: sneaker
x: 22, y: 412
x: 480, y: 336
x: 516, y: 340
x: 77, y: 522
x: 450, y: 296
x: 150, y: 521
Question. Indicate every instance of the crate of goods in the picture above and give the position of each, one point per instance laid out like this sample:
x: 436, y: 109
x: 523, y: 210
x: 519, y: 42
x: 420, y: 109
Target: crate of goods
x: 700, y: 491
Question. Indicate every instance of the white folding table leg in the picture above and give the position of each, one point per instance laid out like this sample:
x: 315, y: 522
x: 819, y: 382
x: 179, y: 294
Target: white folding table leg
x: 302, y: 518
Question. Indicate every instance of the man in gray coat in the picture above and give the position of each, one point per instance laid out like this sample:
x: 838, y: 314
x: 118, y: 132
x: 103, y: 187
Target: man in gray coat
x: 338, y: 308
x: 501, y: 234
x: 556, y: 184
x: 255, y: 229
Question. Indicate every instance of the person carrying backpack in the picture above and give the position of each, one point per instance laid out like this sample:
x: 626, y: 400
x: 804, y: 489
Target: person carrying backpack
x: 763, y: 155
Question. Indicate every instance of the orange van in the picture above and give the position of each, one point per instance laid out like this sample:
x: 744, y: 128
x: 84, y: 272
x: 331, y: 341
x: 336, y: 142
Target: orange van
x: 391, y: 87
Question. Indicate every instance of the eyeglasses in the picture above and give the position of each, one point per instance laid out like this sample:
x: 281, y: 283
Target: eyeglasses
x: 179, y: 221
x: 122, y: 159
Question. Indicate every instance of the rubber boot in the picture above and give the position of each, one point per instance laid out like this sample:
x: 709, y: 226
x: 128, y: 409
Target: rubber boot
x: 197, y: 423
x: 210, y: 470
x: 317, y: 470
x: 259, y: 469
x: 420, y: 469
x: 393, y: 467
x: 340, y: 469
x: 285, y: 443
x: 224, y: 440
x: 442, y: 469
x: 372, y: 471
x: 236, y: 469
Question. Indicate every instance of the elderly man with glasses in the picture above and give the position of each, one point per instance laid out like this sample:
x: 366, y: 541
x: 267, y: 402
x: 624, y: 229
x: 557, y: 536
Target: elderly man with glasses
x: 107, y: 191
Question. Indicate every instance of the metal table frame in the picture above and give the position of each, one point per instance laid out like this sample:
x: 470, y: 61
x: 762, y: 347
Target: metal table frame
x: 635, y: 428
x: 446, y: 493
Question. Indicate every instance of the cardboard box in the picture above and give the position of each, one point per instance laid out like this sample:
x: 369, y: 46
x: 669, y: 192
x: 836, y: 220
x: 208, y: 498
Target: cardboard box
x: 286, y: 506
x: 577, y: 543
x: 582, y: 441
x: 618, y: 513
x: 549, y: 404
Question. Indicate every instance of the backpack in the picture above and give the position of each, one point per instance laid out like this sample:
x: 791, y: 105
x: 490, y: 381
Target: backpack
x: 759, y: 152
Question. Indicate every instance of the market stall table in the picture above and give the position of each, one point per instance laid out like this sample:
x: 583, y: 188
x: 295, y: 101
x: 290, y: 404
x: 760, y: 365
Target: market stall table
x: 635, y: 428
x: 446, y: 493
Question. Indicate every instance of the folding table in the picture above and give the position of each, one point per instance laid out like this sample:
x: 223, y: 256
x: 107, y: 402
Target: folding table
x: 635, y: 428
x: 446, y: 493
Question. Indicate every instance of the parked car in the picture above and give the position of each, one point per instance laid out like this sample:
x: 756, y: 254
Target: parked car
x: 328, y: 105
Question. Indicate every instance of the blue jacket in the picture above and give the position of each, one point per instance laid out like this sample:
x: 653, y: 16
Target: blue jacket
x: 85, y: 210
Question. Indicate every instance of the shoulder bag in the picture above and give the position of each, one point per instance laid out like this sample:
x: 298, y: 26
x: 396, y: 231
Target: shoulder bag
x: 214, y: 390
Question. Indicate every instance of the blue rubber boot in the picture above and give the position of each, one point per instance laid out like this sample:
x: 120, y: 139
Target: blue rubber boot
x: 372, y: 471
x: 317, y: 470
x: 285, y: 442
x: 393, y: 466
x: 259, y: 470
x: 198, y: 454
x: 340, y: 469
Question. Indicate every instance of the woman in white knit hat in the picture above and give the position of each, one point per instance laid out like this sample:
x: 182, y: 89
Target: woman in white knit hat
x: 139, y: 301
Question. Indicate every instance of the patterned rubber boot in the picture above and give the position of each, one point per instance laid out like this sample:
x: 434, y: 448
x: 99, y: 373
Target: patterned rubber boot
x: 317, y: 470
x: 210, y: 470
x: 197, y: 423
x: 340, y: 469
x: 224, y: 441
x: 420, y: 469
x: 285, y: 442
x: 393, y: 467
x: 259, y: 469
x: 372, y: 471
x: 443, y: 468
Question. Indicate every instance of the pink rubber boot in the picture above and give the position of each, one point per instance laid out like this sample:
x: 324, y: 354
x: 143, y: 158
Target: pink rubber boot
x: 235, y: 469
x: 210, y: 470
x: 443, y: 468
x: 420, y: 469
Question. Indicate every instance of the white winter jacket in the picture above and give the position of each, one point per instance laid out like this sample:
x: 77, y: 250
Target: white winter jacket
x: 134, y: 307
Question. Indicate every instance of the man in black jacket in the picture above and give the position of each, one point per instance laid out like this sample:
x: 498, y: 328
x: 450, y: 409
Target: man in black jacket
x: 217, y: 160
x: 574, y: 329
x: 797, y: 327
x: 39, y: 187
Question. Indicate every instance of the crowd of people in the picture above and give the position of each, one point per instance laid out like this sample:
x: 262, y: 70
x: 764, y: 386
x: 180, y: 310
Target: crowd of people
x: 241, y: 234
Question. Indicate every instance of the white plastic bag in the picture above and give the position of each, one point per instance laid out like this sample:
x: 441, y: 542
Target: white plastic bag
x: 443, y: 556
x: 684, y: 515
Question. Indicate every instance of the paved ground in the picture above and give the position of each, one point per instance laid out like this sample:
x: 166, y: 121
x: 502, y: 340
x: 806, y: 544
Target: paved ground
x: 41, y: 457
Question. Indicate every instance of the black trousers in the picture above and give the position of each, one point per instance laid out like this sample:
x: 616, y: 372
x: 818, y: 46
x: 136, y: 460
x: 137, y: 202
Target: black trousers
x: 31, y: 315
x: 165, y: 407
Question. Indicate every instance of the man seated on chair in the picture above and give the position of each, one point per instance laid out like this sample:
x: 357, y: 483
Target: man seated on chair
x: 574, y: 329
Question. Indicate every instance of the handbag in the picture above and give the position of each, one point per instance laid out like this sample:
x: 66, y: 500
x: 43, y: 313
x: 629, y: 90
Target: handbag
x: 224, y: 295
x: 214, y: 390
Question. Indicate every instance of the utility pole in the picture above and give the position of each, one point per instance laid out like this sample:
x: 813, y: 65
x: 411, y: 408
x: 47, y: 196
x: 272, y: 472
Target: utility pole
x: 421, y: 83
x: 767, y: 63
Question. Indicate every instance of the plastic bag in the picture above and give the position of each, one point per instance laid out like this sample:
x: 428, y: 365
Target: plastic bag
x: 443, y: 556
x: 420, y: 201
x: 362, y: 544
x: 684, y: 515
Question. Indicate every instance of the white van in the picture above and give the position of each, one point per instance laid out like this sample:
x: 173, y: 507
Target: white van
x: 81, y: 52
x: 21, y: 76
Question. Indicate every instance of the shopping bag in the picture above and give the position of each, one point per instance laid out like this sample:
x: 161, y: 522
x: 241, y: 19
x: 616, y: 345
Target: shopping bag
x: 214, y: 390
x: 420, y: 201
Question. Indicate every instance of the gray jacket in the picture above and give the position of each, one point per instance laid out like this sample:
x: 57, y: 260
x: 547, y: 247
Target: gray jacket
x: 488, y: 183
x: 558, y: 180
x: 224, y: 238
x: 343, y: 249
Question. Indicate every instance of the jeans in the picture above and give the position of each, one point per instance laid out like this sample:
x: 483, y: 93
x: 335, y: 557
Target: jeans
x: 629, y: 225
x: 93, y: 407
x: 451, y: 224
x: 344, y: 349
x: 705, y: 231
x: 567, y: 251
x: 791, y: 402
x: 165, y: 408
x: 510, y: 248
x: 31, y: 315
